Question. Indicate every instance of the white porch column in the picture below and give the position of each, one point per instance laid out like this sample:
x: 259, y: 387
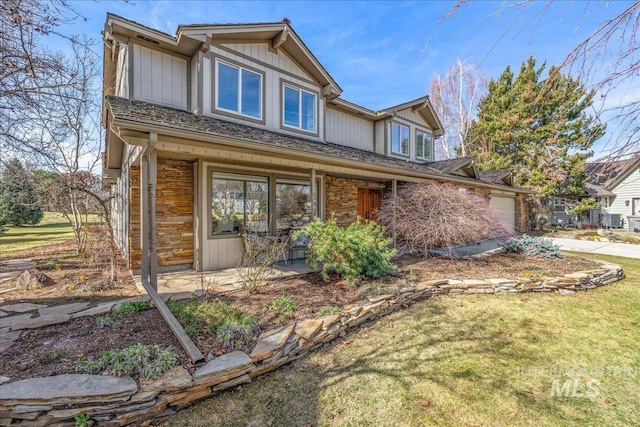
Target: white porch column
x: 394, y: 193
x: 144, y: 217
x: 314, y: 195
x: 153, y: 254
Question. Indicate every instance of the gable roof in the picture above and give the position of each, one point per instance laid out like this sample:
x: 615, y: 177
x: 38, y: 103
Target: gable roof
x: 465, y: 166
x: 499, y: 176
x: 190, y: 38
x: 423, y: 107
x: 144, y: 115
x: 607, y: 175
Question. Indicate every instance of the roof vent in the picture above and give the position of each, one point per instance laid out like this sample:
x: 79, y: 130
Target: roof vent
x: 147, y: 39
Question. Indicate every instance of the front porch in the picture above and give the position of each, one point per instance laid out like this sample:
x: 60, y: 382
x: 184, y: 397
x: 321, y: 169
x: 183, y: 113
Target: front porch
x: 181, y: 283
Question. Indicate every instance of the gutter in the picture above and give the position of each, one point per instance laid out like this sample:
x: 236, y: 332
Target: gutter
x: 233, y: 142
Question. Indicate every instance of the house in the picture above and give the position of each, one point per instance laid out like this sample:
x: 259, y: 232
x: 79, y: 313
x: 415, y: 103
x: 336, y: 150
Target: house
x: 228, y: 127
x: 615, y: 185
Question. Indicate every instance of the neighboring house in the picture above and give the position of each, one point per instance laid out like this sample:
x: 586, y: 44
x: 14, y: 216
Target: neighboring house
x: 616, y: 187
x: 238, y: 126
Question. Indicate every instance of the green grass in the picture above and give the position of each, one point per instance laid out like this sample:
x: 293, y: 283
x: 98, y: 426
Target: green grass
x: 53, y: 228
x: 459, y: 361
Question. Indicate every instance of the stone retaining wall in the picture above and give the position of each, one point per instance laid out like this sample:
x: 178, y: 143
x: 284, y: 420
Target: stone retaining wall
x: 118, y: 401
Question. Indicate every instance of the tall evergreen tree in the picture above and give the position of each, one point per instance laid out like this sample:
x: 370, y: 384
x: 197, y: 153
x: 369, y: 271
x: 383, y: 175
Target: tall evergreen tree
x: 18, y: 202
x: 537, y: 126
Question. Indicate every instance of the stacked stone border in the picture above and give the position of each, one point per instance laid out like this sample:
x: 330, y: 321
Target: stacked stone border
x: 118, y: 401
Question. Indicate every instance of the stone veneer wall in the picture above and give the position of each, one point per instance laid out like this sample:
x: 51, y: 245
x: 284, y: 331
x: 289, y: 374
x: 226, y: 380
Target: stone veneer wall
x: 342, y: 197
x: 118, y: 401
x: 174, y: 214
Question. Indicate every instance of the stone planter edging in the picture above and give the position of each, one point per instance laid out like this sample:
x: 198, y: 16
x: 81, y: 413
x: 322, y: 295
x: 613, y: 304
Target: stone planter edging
x: 118, y: 401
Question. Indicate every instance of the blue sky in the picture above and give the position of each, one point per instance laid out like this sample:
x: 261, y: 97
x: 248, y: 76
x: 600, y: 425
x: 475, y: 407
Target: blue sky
x: 377, y: 51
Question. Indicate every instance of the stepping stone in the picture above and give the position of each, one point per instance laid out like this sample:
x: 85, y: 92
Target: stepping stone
x: 95, y: 311
x: 8, y: 322
x: 172, y: 380
x: 23, y: 307
x: 66, y: 389
x: 236, y: 363
x: 308, y: 328
x: 3, y: 314
x: 41, y: 321
x: 145, y: 298
x: 63, y: 309
x: 7, y: 339
x: 270, y: 342
x: 4, y: 379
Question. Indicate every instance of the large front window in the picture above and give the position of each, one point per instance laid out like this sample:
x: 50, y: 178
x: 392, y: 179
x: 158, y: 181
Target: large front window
x: 239, y: 203
x: 399, y: 139
x: 299, y: 109
x: 238, y: 90
x: 293, y: 204
x: 423, y: 145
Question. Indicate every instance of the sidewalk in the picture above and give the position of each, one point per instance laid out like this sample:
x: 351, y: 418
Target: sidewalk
x: 604, y: 248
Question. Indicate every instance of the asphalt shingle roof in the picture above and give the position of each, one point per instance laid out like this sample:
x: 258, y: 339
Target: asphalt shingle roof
x: 134, y: 111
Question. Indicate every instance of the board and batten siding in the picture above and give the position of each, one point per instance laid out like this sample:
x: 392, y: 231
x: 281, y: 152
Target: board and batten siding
x: 346, y: 129
x: 159, y: 77
x: 628, y: 189
x: 276, y: 67
x: 122, y: 71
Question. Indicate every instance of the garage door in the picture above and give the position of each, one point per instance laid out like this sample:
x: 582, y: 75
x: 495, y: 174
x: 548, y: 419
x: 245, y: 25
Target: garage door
x: 505, y: 207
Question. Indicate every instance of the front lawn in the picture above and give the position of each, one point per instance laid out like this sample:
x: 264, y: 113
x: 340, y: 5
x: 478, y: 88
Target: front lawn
x: 53, y: 228
x: 461, y: 360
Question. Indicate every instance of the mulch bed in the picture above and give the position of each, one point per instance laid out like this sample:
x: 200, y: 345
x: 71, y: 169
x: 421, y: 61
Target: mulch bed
x: 52, y: 350
x: 76, y: 277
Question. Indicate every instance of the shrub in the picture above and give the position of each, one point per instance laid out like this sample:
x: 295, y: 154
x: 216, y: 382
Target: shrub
x: 330, y: 309
x: 427, y: 216
x: 533, y: 246
x: 130, y: 307
x: 283, y: 305
x: 145, y: 361
x: 360, y: 250
x: 231, y: 327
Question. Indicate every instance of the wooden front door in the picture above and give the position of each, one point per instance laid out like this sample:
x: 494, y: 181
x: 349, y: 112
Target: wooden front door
x: 368, y: 203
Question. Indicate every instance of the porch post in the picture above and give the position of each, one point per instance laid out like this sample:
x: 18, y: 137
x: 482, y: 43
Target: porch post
x: 394, y: 193
x: 144, y: 217
x: 153, y: 254
x: 314, y: 195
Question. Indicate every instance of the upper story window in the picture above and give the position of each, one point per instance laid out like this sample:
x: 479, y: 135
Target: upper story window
x: 423, y: 145
x: 399, y: 139
x: 238, y: 90
x: 299, y: 109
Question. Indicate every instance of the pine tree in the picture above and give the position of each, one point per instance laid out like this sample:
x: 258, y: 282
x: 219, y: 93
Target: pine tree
x: 18, y: 202
x: 537, y: 126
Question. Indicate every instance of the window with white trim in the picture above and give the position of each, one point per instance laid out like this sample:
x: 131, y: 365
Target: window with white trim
x: 399, y: 139
x: 299, y: 109
x: 238, y: 90
x: 238, y: 203
x: 423, y: 145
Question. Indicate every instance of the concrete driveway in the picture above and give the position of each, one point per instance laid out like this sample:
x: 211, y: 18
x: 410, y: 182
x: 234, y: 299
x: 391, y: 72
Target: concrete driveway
x: 605, y: 248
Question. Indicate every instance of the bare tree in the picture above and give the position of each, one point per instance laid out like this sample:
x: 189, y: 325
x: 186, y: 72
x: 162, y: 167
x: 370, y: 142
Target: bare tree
x: 427, y: 216
x: 455, y: 98
x: 30, y: 71
x: 608, y: 60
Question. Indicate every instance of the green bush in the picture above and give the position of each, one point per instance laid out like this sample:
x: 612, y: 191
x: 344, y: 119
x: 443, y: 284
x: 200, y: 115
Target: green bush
x: 533, y: 246
x: 360, y: 250
x: 232, y: 328
x: 283, y: 305
x: 329, y: 309
x: 145, y: 361
x: 130, y: 307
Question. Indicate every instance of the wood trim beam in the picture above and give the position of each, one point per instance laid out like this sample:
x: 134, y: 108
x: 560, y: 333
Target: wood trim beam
x: 279, y: 39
